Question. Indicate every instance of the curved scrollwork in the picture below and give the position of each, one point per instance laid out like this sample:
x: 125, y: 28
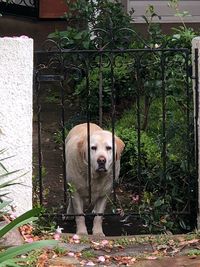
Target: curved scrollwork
x: 28, y: 3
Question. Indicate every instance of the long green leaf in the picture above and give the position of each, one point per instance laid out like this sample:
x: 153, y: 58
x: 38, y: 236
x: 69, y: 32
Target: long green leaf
x: 31, y: 219
x: 4, y: 204
x: 8, y: 173
x: 9, y: 263
x: 3, y: 167
x: 24, y: 217
x: 16, y: 251
x: 8, y: 183
x: 13, y: 262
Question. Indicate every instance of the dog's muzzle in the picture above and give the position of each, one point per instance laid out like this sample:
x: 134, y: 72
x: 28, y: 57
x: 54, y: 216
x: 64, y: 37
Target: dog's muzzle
x: 101, y: 164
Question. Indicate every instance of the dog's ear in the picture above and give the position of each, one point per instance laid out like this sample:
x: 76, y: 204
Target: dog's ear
x: 81, y: 148
x: 120, y: 147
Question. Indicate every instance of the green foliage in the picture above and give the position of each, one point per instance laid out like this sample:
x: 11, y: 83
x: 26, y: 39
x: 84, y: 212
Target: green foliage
x: 85, y: 16
x: 139, y: 84
x: 8, y: 256
x: 161, y: 192
x: 193, y: 252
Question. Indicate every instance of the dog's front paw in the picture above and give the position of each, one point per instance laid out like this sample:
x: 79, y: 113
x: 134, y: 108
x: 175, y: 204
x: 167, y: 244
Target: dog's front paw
x: 81, y: 233
x: 99, y: 234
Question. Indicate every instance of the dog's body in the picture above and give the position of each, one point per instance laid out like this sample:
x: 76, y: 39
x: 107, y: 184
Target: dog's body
x: 101, y: 161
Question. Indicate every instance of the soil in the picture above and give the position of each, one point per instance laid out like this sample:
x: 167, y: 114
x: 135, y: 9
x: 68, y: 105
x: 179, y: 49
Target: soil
x: 52, y: 159
x: 140, y: 251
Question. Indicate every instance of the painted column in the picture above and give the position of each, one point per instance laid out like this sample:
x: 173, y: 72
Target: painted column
x: 16, y: 81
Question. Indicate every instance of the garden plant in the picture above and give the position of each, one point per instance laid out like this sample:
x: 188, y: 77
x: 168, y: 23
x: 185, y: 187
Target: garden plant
x: 164, y: 192
x: 11, y: 256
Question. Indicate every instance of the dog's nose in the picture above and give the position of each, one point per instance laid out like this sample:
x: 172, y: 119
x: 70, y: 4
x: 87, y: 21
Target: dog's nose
x: 101, y: 160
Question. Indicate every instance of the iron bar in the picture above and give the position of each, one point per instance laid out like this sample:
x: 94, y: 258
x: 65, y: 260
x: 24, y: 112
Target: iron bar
x: 135, y: 214
x: 101, y: 51
x: 39, y: 142
x: 196, y: 66
x: 113, y: 107
x: 100, y: 92
x: 88, y: 129
x: 138, y: 111
x: 164, y: 142
x: 188, y: 111
x: 63, y: 141
x: 196, y: 108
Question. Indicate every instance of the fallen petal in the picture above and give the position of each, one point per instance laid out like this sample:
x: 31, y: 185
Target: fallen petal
x: 101, y: 258
x: 151, y: 258
x: 76, y: 237
x: 29, y: 240
x: 56, y: 236
x: 90, y: 263
x: 71, y: 254
x: 104, y: 242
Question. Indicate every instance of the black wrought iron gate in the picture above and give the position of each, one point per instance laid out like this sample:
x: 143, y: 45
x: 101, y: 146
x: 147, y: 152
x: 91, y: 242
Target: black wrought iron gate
x: 145, y: 97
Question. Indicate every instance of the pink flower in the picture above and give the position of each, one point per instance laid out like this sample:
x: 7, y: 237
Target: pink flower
x: 90, y: 263
x: 104, y: 242
x: 29, y: 240
x: 59, y: 230
x: 58, y: 233
x: 76, y: 237
x: 56, y: 236
x: 101, y: 259
x: 13, y: 215
x: 71, y: 254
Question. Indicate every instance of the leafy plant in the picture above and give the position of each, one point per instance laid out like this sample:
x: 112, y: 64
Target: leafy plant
x: 157, y: 161
x: 84, y: 17
x: 8, y: 257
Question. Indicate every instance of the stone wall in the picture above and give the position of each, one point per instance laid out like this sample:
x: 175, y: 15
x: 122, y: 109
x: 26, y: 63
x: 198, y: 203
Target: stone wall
x: 16, y: 81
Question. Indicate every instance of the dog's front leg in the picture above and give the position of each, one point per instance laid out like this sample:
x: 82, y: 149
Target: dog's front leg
x: 77, y: 203
x: 97, y: 223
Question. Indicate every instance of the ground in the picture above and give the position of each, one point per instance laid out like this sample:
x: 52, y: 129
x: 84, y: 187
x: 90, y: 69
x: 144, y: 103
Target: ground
x: 138, y: 250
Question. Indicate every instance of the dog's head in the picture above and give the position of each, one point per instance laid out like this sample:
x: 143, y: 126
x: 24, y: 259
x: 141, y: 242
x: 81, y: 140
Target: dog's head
x: 101, y: 150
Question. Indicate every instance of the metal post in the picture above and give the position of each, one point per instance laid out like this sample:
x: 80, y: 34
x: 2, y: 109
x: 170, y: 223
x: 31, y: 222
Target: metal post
x: 196, y: 62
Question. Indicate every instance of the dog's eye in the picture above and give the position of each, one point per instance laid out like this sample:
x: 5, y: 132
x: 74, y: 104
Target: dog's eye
x: 108, y: 147
x: 93, y: 147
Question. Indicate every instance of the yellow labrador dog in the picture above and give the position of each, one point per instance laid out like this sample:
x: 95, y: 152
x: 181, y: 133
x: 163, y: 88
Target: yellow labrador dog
x: 101, y: 160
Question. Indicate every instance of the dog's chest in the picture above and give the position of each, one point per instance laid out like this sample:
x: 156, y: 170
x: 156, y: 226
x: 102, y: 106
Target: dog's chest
x: 100, y: 187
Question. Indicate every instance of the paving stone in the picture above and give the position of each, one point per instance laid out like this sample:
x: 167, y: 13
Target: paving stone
x: 183, y: 261
x: 134, y: 250
x: 64, y: 261
x: 12, y: 238
x: 74, y: 247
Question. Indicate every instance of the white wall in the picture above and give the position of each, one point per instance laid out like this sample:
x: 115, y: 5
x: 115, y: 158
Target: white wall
x: 162, y: 9
x: 16, y: 76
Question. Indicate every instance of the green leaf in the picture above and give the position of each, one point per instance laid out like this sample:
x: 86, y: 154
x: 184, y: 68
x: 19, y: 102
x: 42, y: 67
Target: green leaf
x: 8, y: 173
x: 27, y: 216
x: 16, y: 251
x: 12, y: 262
x: 4, y: 204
